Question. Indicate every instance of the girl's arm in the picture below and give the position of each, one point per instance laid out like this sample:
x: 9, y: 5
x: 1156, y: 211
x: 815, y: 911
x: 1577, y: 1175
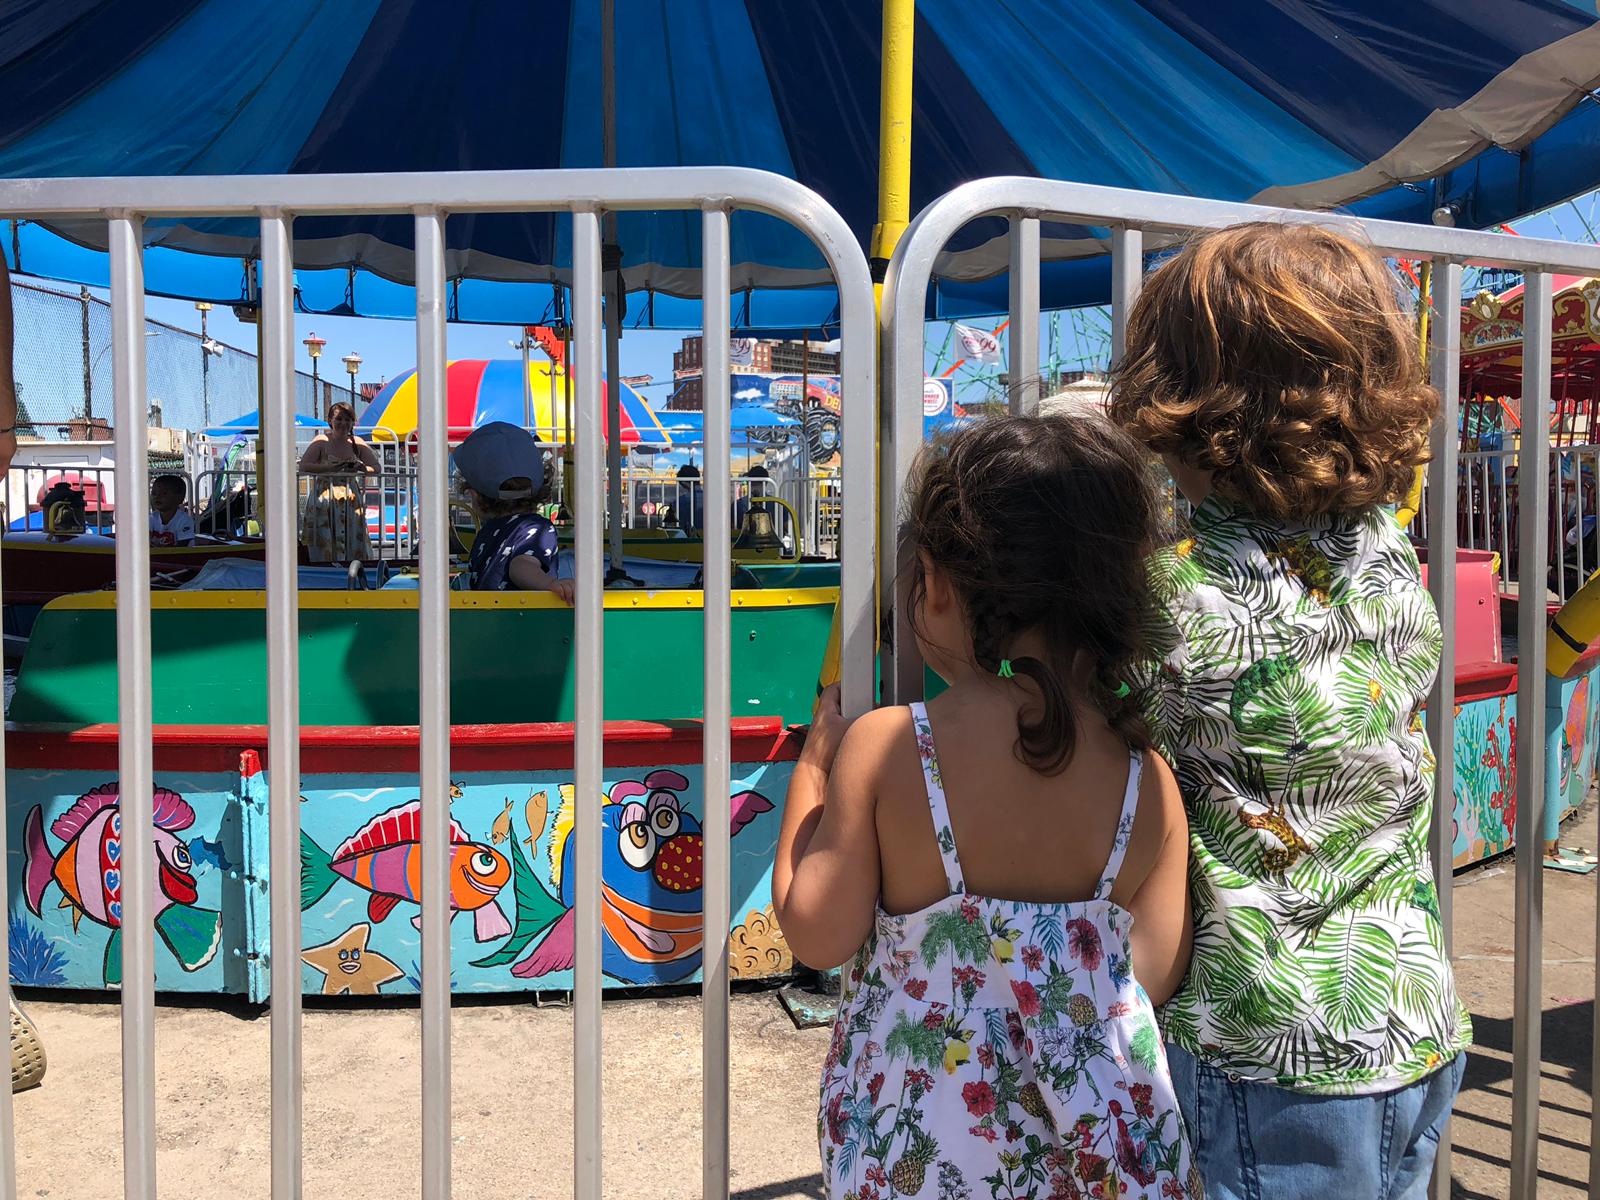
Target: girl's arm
x: 1162, y: 922
x: 311, y: 460
x: 825, y: 879
x: 366, y: 455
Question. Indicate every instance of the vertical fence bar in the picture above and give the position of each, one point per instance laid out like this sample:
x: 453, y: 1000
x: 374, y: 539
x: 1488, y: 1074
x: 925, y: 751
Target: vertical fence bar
x: 855, y: 490
x: 1533, y: 467
x: 8, y: 1140
x: 1127, y: 273
x: 589, y: 705
x: 1026, y: 388
x: 717, y: 599
x: 134, y: 782
x: 433, y: 615
x: 283, y: 697
x: 901, y: 360
x: 1577, y: 474
x: 1505, y: 516
x: 1444, y: 359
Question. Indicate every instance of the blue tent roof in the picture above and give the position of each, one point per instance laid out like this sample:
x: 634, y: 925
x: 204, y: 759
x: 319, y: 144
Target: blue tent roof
x: 1382, y: 108
x: 251, y: 423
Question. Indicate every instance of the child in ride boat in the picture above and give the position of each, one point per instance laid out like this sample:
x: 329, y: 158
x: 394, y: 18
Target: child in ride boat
x: 170, y: 522
x: 1317, y: 1042
x: 502, y: 470
x: 1006, y: 863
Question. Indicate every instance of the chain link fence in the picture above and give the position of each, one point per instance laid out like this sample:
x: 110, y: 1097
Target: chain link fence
x: 64, y: 372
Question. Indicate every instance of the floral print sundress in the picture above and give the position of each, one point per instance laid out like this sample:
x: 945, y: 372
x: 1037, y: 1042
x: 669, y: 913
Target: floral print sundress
x: 1002, y: 1049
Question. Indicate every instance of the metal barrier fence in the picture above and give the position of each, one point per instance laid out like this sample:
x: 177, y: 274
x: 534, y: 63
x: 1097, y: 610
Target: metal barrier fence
x: 1130, y: 216
x: 222, y: 501
x: 1488, y: 507
x: 275, y: 201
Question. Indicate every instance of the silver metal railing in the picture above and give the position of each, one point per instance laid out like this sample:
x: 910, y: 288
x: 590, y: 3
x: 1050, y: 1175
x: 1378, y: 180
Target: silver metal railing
x: 1133, y: 215
x: 585, y: 194
x: 1489, y: 505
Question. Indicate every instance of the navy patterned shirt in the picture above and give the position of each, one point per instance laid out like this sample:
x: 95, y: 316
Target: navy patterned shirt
x: 505, y: 538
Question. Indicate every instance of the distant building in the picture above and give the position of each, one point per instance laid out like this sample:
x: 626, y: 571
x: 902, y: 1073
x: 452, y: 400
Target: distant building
x: 751, y: 356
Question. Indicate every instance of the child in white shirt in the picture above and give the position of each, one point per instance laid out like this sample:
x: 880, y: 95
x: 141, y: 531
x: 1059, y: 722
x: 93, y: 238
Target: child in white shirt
x: 170, y: 522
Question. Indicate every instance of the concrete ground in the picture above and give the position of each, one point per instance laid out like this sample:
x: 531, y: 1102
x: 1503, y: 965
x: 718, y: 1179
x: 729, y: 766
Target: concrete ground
x: 513, y: 1077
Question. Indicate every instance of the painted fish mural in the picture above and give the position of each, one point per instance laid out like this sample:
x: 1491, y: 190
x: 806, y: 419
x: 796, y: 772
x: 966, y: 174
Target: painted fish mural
x: 384, y: 858
x: 88, y: 870
x: 652, y: 869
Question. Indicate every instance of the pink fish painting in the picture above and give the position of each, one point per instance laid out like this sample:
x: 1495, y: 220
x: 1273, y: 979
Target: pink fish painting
x: 88, y: 870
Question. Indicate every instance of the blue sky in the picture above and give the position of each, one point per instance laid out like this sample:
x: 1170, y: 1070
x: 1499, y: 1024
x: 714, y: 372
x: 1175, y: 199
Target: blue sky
x: 389, y: 347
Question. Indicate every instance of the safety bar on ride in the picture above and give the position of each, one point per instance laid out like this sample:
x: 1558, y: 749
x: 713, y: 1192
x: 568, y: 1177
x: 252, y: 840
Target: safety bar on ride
x: 1133, y: 216
x: 585, y: 194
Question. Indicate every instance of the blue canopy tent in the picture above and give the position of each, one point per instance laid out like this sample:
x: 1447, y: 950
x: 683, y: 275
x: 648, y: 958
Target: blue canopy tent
x: 1393, y: 110
x: 250, y: 422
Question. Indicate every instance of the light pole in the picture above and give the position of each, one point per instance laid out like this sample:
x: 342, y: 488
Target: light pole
x: 352, y: 364
x: 314, y: 345
x: 525, y: 343
x: 204, y: 307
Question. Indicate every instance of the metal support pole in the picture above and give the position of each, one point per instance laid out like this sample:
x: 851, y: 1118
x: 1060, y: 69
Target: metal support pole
x: 613, y: 307
x: 137, y: 811
x: 433, y: 612
x: 88, y: 364
x: 1026, y: 388
x: 717, y: 600
x: 894, y: 130
x: 588, y: 708
x: 1533, y: 477
x: 1444, y: 366
x: 527, y: 384
x: 283, y: 704
x: 1127, y: 275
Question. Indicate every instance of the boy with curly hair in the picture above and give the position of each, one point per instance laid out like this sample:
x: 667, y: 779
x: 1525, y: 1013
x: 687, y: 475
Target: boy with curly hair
x: 1317, y: 1042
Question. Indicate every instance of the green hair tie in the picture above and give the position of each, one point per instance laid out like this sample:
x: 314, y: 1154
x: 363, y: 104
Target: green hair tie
x: 1122, y: 691
x: 1005, y: 671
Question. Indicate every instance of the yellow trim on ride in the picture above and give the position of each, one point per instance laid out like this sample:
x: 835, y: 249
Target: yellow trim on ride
x: 1573, y: 629
x: 662, y: 598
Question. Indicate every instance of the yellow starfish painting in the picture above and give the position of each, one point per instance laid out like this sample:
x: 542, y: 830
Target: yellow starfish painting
x: 349, y: 968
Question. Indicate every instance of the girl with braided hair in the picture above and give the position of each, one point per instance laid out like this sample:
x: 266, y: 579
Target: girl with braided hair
x: 1006, y: 863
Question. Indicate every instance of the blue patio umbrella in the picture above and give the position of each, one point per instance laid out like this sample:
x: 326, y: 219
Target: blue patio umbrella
x: 1384, y: 109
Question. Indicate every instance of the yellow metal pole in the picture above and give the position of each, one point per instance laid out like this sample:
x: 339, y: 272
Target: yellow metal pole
x: 894, y: 132
x: 894, y: 200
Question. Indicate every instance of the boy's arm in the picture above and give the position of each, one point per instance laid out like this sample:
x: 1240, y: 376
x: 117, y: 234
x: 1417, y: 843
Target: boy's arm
x: 533, y: 570
x: 525, y: 573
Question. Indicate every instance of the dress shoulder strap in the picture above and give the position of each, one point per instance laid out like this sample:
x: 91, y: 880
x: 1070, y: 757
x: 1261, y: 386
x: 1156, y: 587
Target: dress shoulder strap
x: 1119, y: 844
x: 936, y: 802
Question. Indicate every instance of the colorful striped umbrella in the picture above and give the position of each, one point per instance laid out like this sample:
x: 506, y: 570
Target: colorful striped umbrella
x: 483, y: 390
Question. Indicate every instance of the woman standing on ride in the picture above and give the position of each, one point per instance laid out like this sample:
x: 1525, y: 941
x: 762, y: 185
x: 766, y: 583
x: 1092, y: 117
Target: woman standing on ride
x: 335, y: 528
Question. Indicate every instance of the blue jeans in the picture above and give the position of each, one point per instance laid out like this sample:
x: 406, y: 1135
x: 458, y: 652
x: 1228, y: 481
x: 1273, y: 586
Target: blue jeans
x: 1253, y: 1140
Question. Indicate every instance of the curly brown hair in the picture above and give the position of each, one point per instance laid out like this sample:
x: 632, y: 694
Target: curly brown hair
x: 1278, y: 357
x: 1042, y: 524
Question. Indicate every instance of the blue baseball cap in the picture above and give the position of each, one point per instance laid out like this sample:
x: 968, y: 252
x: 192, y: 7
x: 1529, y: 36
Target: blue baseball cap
x: 496, y: 453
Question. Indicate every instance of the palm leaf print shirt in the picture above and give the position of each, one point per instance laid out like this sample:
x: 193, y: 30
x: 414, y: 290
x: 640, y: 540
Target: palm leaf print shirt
x: 1293, y: 659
